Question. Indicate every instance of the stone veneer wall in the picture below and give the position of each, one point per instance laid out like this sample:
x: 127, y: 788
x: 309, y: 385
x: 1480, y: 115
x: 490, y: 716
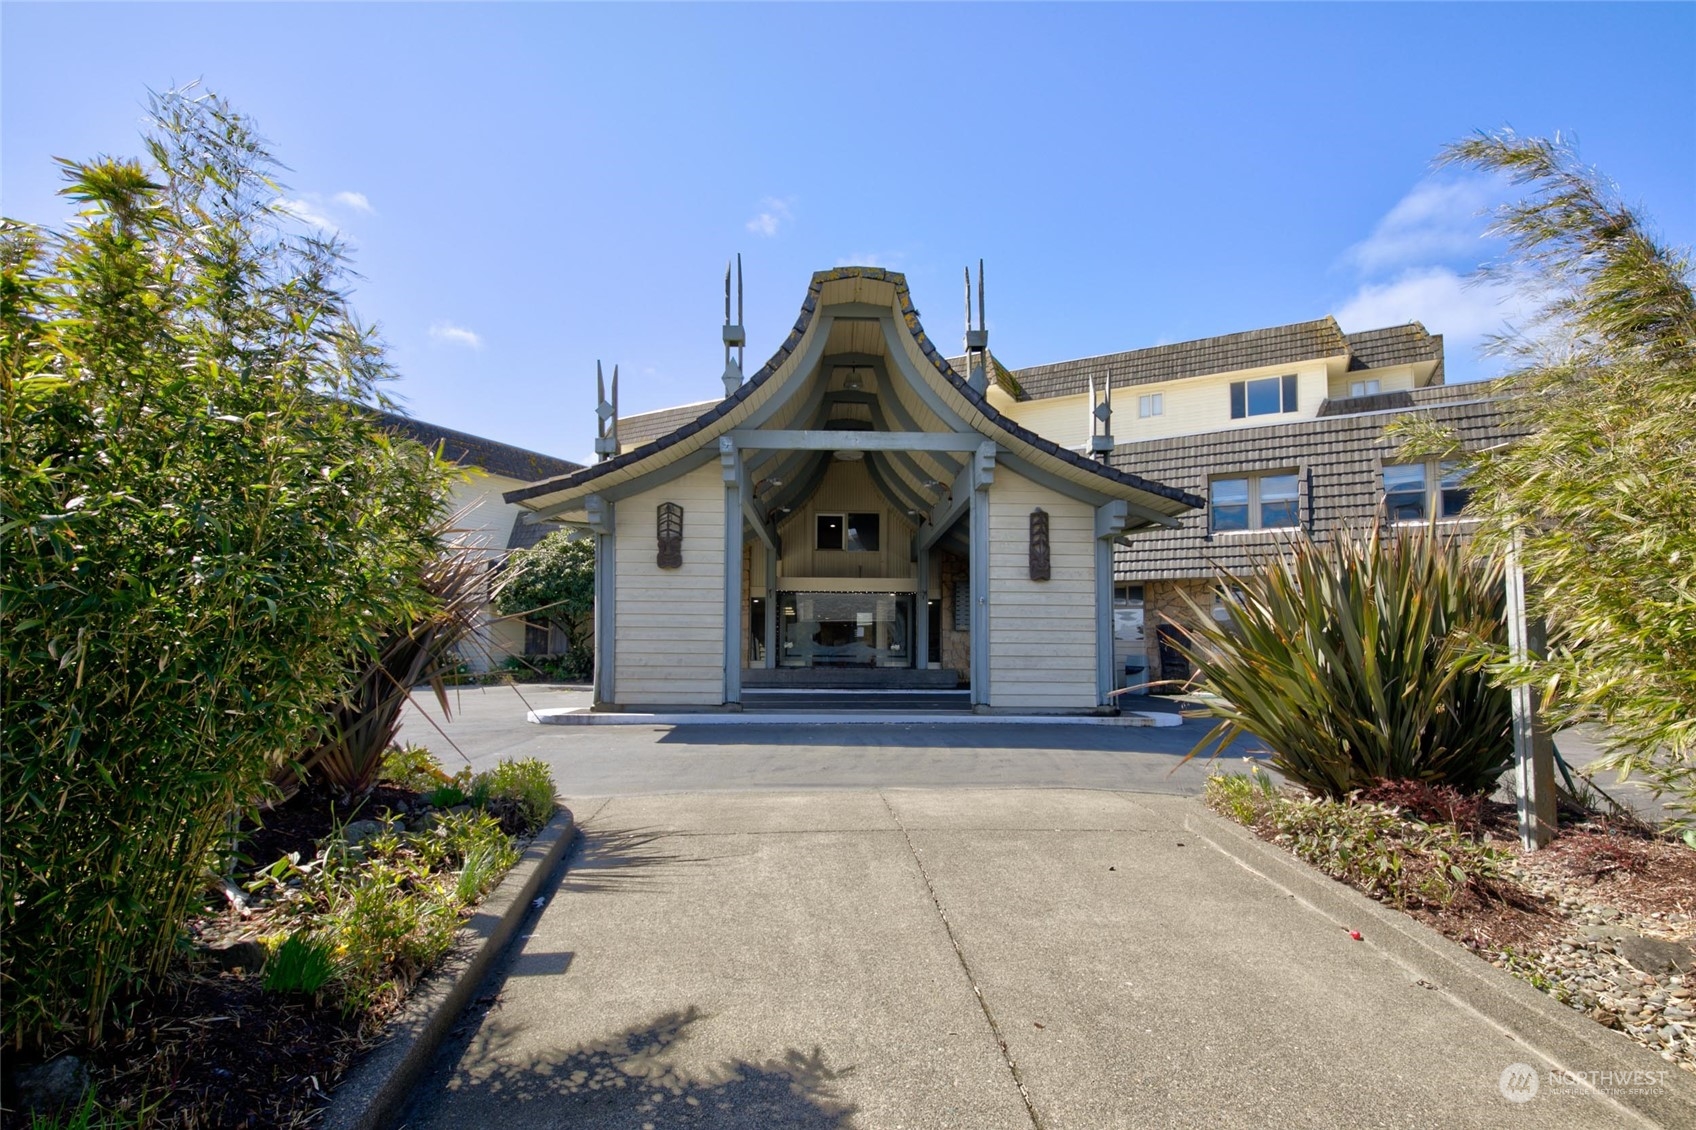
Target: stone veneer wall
x: 1163, y: 603
x: 956, y: 646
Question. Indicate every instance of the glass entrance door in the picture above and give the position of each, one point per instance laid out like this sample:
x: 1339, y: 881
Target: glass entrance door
x: 846, y: 629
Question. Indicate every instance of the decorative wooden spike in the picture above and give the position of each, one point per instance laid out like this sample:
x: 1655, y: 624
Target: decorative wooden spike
x: 968, y: 300
x: 981, y: 323
x: 740, y: 356
x: 727, y: 292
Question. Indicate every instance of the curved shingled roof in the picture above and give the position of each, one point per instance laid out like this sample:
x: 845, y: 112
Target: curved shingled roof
x: 910, y: 315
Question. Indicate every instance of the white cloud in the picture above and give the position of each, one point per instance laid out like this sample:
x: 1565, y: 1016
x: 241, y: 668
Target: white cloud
x: 1465, y: 311
x: 307, y: 211
x: 773, y: 214
x: 1439, y: 220
x: 455, y: 335
x: 313, y: 210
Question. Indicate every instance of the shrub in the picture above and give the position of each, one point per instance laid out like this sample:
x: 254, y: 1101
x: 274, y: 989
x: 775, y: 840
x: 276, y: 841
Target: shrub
x: 1356, y: 661
x: 199, y: 529
x: 554, y: 580
x: 1380, y: 850
x: 421, y: 646
x: 519, y: 793
x: 386, y: 926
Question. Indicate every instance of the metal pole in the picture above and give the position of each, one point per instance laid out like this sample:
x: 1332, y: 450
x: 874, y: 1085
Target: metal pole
x: 1533, y: 748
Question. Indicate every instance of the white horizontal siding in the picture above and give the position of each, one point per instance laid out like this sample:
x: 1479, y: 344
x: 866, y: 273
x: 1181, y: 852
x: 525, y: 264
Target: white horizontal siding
x: 1041, y: 633
x: 669, y: 646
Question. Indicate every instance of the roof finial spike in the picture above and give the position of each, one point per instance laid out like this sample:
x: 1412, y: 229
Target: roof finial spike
x: 981, y: 323
x: 968, y: 302
x: 606, y: 414
x: 977, y: 340
x: 1101, y: 443
x: 734, y: 335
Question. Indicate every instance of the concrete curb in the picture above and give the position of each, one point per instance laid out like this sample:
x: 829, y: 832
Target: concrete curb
x: 578, y: 716
x: 1568, y: 1040
x: 379, y: 1084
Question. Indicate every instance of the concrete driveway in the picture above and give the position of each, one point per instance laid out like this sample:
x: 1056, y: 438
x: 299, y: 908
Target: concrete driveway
x: 887, y: 926
x: 959, y: 958
x: 488, y: 724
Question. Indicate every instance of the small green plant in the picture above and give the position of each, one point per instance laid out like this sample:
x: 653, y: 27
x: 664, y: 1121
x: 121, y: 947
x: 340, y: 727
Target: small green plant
x: 1244, y: 797
x: 445, y: 796
x: 413, y: 767
x: 1382, y: 851
x: 482, y: 863
x: 301, y: 964
x: 387, y: 926
x: 519, y: 793
x: 91, y: 1114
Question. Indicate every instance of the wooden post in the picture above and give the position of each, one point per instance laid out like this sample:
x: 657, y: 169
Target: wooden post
x: 1533, y: 747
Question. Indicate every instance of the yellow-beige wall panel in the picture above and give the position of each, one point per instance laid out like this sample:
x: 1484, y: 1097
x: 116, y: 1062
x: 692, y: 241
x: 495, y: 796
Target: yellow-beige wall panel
x: 669, y: 643
x: 1041, y: 633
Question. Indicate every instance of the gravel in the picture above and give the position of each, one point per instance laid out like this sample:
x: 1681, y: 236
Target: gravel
x: 1585, y: 969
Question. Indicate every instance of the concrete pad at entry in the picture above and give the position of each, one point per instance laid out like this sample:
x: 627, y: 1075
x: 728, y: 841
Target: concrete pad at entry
x: 1049, y: 959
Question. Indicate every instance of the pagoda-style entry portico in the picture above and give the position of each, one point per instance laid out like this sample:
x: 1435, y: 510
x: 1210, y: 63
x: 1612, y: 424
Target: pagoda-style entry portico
x: 854, y: 510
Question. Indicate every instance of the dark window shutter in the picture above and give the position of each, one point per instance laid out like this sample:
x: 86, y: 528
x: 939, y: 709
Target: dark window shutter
x: 1239, y: 402
x: 1290, y: 393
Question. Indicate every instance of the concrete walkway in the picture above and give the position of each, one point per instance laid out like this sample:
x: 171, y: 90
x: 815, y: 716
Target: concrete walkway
x: 885, y: 958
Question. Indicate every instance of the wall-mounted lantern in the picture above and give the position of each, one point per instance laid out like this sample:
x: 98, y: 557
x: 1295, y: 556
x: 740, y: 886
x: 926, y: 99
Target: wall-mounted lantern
x: 669, y: 522
x: 1041, y: 565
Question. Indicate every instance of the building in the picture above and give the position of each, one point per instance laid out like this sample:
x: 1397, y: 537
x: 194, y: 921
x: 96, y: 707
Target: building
x: 865, y: 512
x: 487, y: 524
x: 1283, y: 430
x: 856, y: 513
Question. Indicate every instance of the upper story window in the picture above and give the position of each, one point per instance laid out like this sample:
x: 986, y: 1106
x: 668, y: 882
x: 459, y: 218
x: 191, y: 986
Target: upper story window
x: 1151, y: 404
x: 1254, y: 502
x: 1365, y: 388
x: 1415, y: 492
x: 1264, y: 397
x: 855, y: 533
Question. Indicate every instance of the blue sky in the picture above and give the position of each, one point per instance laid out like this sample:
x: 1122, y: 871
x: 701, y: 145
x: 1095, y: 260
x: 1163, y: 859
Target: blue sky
x: 531, y: 187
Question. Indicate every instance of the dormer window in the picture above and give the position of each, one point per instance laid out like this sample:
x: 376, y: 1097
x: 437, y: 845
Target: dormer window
x: 1365, y: 388
x: 1267, y: 396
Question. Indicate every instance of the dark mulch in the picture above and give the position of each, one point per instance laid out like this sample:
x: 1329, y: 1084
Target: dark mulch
x: 211, y: 1047
x: 217, y: 1050
x: 1621, y: 865
x: 312, y: 814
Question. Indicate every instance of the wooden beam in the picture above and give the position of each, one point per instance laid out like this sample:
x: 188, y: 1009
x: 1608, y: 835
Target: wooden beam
x: 947, y: 511
x: 753, y: 439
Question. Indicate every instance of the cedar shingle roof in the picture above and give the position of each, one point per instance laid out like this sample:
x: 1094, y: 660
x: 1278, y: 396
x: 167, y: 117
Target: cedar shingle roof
x: 1251, y: 349
x: 1339, y: 459
x: 476, y: 451
x: 1394, y: 345
x: 634, y: 431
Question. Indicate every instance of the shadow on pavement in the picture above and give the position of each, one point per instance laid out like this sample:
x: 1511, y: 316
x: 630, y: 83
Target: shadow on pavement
x: 1175, y: 740
x: 629, y: 1080
x: 619, y: 859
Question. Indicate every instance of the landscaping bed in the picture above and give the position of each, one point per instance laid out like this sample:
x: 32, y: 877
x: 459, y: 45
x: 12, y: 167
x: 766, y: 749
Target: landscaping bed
x: 334, y: 911
x: 1603, y: 918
